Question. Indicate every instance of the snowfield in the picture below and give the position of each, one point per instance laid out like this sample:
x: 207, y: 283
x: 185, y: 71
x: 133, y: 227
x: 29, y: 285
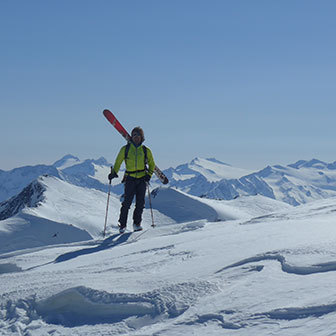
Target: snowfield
x: 249, y: 266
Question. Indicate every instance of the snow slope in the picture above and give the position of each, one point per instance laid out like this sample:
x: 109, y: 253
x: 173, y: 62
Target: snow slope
x: 52, y: 211
x: 182, y: 207
x: 269, y: 275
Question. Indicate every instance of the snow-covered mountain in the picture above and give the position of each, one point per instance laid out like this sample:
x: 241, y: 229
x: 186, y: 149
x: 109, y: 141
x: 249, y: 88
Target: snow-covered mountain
x: 93, y: 174
x: 298, y: 183
x: 13, y: 181
x: 201, y: 175
x: 66, y: 161
x: 295, y: 184
x: 212, y: 169
x: 87, y: 173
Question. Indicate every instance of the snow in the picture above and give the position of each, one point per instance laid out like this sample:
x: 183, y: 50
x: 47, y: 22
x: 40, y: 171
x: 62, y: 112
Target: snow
x: 66, y: 162
x: 53, y: 211
x: 248, y: 266
x: 212, y: 169
x: 215, y: 170
x: 182, y: 207
x: 295, y: 184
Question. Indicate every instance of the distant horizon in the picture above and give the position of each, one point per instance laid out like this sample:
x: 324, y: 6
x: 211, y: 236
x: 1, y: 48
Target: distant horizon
x: 164, y: 168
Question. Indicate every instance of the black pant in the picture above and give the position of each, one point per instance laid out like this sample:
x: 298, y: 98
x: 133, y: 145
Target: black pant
x: 133, y: 187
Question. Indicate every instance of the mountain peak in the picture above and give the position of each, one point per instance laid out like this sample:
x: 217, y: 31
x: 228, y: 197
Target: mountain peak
x: 214, y: 160
x: 66, y: 161
x: 101, y: 161
x: 30, y: 196
x: 201, y: 161
x: 313, y: 163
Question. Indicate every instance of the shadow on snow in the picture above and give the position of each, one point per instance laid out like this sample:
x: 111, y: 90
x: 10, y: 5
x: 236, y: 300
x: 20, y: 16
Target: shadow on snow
x: 109, y: 242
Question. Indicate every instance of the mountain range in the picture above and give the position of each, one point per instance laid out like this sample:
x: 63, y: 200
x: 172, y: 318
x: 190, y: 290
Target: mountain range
x: 294, y: 184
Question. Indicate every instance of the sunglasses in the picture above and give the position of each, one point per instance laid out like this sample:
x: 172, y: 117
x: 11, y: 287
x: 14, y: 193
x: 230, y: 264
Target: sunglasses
x: 135, y: 135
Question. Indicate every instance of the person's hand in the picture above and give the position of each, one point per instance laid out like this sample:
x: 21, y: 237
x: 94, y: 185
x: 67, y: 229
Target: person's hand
x: 112, y: 175
x: 147, y: 178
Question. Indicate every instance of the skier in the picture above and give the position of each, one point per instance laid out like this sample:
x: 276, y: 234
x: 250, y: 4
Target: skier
x: 137, y: 157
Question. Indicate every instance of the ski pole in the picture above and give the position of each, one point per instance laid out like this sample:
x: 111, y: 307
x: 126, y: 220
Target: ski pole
x: 107, y: 205
x: 150, y: 205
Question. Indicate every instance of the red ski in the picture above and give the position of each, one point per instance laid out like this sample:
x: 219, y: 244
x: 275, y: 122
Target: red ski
x: 114, y: 121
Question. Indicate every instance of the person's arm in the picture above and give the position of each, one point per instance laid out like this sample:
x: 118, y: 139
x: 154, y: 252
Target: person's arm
x: 151, y: 163
x: 119, y: 160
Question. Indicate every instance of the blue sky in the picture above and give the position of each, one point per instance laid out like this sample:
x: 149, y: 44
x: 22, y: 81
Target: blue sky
x: 250, y: 83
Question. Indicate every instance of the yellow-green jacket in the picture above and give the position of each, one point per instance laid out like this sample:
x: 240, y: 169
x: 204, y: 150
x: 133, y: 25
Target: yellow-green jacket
x: 135, y: 162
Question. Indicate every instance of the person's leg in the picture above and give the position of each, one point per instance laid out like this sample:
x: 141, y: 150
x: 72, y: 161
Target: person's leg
x: 140, y: 201
x: 130, y: 188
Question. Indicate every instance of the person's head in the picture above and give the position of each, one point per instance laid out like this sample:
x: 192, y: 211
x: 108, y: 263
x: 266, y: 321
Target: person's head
x: 138, y: 136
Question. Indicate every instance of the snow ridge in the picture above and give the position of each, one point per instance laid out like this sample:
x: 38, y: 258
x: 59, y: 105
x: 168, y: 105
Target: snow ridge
x: 286, y: 267
x: 31, y: 196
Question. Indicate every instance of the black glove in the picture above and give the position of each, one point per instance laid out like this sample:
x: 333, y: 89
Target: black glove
x: 112, y: 175
x: 147, y: 178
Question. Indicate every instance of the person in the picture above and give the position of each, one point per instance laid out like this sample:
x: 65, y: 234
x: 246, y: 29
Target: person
x: 140, y: 166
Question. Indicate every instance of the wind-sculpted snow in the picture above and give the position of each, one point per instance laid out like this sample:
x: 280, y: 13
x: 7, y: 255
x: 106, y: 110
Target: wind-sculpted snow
x: 78, y: 306
x: 286, y: 267
x: 269, y: 270
x: 294, y: 313
x: 212, y: 318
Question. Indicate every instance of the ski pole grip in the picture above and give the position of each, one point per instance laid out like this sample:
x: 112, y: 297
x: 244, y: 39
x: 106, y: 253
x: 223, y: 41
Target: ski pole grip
x: 110, y: 177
